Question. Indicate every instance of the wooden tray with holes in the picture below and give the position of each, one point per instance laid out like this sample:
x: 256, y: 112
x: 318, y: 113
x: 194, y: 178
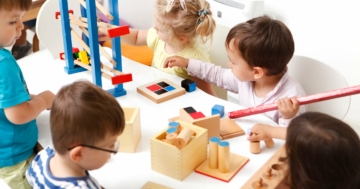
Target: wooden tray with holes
x: 270, y: 175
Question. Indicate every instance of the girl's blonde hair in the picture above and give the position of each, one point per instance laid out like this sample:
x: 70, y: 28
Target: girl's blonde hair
x: 193, y: 21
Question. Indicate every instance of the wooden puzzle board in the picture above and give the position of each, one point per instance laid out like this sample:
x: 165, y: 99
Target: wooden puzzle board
x: 161, y: 90
x: 229, y: 129
x: 152, y: 185
x: 274, y: 181
x: 236, y: 163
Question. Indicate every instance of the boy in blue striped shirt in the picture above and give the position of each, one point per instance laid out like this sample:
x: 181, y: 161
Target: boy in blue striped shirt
x: 85, y: 122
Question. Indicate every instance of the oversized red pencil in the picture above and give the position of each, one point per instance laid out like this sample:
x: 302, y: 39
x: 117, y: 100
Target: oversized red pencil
x: 302, y: 100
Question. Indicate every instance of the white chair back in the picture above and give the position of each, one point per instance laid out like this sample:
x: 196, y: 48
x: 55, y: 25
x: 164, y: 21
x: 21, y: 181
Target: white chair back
x: 49, y: 29
x: 316, y: 77
x: 218, y: 54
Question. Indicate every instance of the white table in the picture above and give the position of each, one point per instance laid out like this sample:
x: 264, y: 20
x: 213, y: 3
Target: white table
x: 133, y: 170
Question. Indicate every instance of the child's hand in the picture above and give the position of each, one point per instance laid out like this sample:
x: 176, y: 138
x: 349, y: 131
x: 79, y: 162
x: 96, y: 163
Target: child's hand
x: 260, y: 132
x: 48, y: 97
x: 288, y: 107
x: 176, y: 61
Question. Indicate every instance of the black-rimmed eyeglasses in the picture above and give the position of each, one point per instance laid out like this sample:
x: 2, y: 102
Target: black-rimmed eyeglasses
x: 116, y: 147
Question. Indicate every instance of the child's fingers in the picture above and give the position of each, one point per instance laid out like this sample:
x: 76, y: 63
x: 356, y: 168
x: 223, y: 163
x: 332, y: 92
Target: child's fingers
x: 171, y: 62
x: 254, y: 138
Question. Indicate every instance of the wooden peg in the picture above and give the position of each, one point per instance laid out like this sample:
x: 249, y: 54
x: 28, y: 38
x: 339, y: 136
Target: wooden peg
x: 224, y: 157
x: 213, y: 152
x: 183, y: 138
x: 254, y: 146
x: 170, y: 138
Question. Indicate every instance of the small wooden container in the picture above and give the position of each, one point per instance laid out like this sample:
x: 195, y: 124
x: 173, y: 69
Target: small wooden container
x: 131, y: 135
x: 177, y: 163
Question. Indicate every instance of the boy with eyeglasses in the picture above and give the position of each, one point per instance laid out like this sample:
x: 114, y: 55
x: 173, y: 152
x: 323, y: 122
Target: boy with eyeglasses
x: 85, y: 123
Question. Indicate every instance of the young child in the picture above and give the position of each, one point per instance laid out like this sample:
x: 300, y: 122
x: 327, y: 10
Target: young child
x: 259, y: 51
x: 18, y: 108
x: 322, y: 152
x: 179, y: 29
x: 85, y: 123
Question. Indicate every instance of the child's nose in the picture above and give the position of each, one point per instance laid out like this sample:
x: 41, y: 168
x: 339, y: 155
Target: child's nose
x: 20, y: 26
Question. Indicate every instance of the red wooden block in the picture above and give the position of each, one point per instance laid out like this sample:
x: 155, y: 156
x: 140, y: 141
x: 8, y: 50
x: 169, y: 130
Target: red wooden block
x: 123, y: 78
x: 57, y: 14
x: 118, y: 31
x: 62, y: 56
x: 74, y: 50
x: 154, y: 87
x: 197, y: 115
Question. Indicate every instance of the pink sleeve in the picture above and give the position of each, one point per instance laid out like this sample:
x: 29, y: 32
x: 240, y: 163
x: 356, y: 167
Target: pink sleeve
x: 217, y: 75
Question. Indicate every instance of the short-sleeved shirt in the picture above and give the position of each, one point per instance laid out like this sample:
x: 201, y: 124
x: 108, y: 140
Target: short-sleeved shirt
x: 40, y: 176
x: 17, y: 141
x: 195, y: 51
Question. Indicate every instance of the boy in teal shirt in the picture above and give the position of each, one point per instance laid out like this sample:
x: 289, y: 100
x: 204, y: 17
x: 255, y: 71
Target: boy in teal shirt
x: 18, y: 108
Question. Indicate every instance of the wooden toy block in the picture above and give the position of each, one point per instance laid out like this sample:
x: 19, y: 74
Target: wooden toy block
x: 157, y: 93
x: 217, y: 109
x: 188, y: 85
x: 228, y: 164
x: 122, y: 78
x: 152, y: 185
x: 211, y: 123
x: 118, y: 31
x: 84, y: 57
x: 130, y: 137
x: 229, y: 129
x: 177, y: 163
x: 270, y: 175
x: 197, y: 115
x: 224, y: 128
x: 189, y: 110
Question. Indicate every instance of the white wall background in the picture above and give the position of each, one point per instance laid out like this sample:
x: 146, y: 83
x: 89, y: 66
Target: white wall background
x: 325, y: 30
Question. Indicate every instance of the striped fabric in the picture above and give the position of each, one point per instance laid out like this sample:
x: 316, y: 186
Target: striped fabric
x: 39, y: 175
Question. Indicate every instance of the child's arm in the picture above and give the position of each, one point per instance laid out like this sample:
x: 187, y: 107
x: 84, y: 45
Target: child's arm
x: 135, y: 37
x: 208, y: 72
x: 29, y: 110
x: 265, y: 132
x: 288, y: 108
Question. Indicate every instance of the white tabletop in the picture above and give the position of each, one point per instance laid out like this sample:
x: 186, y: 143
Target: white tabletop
x: 133, y: 170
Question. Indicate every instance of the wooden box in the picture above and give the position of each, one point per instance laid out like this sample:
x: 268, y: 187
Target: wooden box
x: 131, y: 135
x: 173, y: 162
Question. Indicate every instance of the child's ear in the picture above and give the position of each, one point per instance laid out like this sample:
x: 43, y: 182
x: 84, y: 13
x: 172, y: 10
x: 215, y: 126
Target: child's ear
x: 76, y: 154
x: 183, y: 39
x: 258, y: 72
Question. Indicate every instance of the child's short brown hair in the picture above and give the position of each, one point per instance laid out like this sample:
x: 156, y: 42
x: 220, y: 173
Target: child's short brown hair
x: 263, y: 42
x: 83, y: 113
x: 15, y: 4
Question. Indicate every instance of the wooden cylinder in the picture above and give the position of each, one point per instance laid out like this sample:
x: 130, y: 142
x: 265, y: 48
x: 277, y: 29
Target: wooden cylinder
x: 170, y: 130
x: 224, y: 157
x: 170, y: 138
x: 213, y: 152
x: 183, y: 138
x: 175, y: 125
x: 254, y: 146
x: 269, y: 143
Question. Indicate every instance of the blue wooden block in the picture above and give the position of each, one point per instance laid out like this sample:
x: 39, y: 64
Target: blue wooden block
x: 217, y: 109
x: 188, y: 85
